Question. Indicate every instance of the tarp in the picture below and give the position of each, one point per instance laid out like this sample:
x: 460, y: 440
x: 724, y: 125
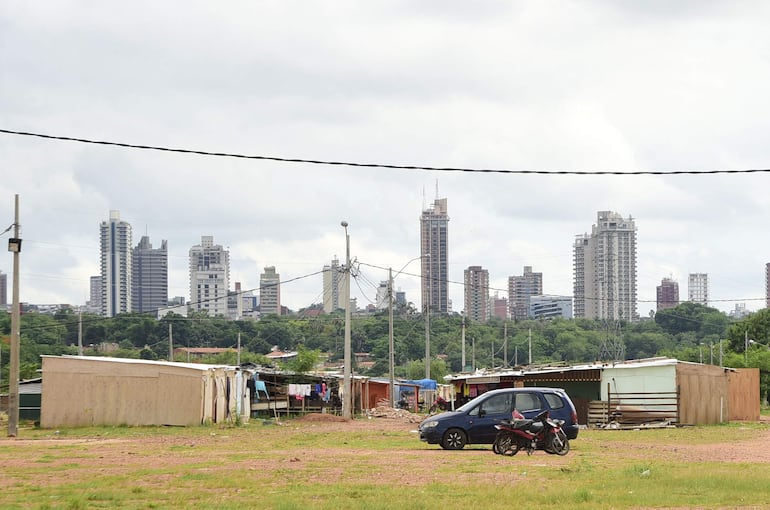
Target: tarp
x: 424, y: 384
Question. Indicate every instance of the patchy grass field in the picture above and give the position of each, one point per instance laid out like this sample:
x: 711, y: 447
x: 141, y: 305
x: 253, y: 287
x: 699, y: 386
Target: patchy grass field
x: 319, y: 462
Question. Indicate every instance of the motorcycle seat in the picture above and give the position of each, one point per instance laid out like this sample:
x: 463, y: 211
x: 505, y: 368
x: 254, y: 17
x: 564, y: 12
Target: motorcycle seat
x: 536, y: 427
x: 521, y: 424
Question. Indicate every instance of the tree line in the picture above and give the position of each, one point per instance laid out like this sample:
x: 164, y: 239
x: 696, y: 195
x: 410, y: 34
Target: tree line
x: 689, y: 332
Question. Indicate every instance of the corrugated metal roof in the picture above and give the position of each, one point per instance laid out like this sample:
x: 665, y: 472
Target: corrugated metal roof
x: 195, y: 366
x: 481, y: 376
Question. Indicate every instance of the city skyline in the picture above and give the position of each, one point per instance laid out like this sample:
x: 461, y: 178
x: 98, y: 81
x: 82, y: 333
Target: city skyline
x: 622, y: 87
x: 531, y: 283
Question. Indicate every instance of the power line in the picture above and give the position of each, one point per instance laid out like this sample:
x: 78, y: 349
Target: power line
x: 381, y: 165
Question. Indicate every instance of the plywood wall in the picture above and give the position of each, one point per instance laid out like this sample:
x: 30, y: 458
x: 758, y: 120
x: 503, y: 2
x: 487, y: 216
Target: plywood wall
x: 744, y: 394
x: 703, y: 394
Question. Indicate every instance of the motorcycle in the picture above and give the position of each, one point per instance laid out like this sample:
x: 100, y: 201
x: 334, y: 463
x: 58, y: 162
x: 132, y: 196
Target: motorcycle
x: 439, y: 405
x: 540, y: 433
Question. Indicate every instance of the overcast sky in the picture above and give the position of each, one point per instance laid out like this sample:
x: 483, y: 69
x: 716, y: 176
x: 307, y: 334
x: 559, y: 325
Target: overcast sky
x: 530, y: 85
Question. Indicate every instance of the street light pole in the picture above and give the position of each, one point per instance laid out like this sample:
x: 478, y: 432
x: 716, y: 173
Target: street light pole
x: 346, y: 391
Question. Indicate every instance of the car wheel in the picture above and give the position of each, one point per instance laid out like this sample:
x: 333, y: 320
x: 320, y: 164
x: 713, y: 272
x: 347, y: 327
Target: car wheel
x: 454, y: 439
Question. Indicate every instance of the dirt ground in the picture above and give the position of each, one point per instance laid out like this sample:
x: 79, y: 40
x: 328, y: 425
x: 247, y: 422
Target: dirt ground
x: 756, y: 450
x: 397, y: 465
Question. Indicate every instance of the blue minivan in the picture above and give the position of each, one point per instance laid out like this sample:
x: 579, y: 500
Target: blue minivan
x: 474, y: 422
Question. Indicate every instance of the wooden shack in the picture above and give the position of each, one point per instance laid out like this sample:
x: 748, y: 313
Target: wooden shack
x: 637, y: 391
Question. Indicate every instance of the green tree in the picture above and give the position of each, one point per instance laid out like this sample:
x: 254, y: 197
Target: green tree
x: 692, y: 317
x: 755, y: 327
x: 305, y: 361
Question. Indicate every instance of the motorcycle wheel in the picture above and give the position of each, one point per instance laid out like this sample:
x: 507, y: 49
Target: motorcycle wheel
x: 559, y: 444
x: 505, y: 444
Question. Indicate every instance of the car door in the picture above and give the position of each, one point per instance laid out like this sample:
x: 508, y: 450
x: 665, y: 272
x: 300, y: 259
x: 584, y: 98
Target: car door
x: 483, y: 418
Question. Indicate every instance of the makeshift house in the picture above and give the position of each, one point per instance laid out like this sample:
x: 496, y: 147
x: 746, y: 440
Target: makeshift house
x: 276, y: 392
x: 86, y: 390
x: 376, y: 392
x: 635, y: 392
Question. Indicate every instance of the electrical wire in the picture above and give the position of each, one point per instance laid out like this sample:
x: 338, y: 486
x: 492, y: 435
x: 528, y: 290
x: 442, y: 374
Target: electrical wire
x: 592, y: 299
x: 380, y: 165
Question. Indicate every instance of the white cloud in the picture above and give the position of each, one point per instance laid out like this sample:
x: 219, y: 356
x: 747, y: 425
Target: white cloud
x: 532, y: 85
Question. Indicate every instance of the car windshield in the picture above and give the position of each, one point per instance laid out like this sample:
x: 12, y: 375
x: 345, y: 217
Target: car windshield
x: 467, y: 406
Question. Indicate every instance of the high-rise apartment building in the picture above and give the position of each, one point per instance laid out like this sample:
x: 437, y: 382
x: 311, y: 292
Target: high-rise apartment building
x: 270, y: 292
x: 235, y: 303
x: 476, y: 293
x: 434, y: 246
x: 149, y: 276
x: 333, y: 283
x: 115, y: 265
x: 3, y: 289
x: 209, y: 277
x: 767, y: 285
x: 550, y: 307
x: 698, y: 288
x: 381, y: 301
x: 667, y: 294
x: 498, y: 307
x: 605, y: 269
x: 94, y: 304
x: 521, y: 289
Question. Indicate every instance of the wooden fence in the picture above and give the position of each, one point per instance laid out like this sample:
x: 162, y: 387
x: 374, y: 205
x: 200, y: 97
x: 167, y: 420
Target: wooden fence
x: 634, y: 409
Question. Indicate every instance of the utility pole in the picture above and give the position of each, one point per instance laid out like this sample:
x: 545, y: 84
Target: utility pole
x: 473, y: 351
x: 14, y: 246
x: 463, y: 346
x: 492, y: 341
x: 238, y: 355
x: 391, y: 343
x: 80, y: 333
x: 427, y: 319
x: 170, y: 342
x: 346, y: 396
x: 720, y: 353
x: 530, y: 346
x: 505, y: 344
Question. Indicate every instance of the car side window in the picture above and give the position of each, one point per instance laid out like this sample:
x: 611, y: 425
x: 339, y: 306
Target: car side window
x: 554, y: 401
x: 527, y: 402
x: 499, y: 404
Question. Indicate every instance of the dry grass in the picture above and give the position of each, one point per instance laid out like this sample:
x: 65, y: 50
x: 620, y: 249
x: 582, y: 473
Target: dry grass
x: 326, y: 462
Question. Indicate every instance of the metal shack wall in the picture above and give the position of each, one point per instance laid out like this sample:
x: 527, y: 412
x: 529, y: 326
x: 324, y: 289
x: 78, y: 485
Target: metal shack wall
x: 639, y: 379
x: 83, y: 392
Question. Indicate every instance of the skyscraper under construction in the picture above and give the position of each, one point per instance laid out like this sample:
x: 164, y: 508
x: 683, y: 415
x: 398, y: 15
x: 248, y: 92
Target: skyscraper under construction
x: 605, y: 269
